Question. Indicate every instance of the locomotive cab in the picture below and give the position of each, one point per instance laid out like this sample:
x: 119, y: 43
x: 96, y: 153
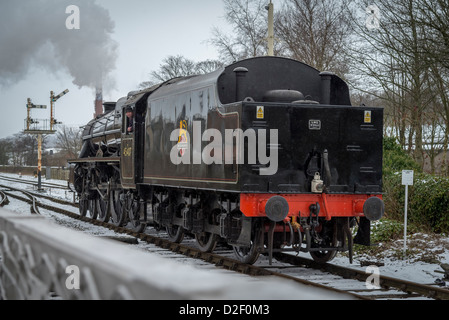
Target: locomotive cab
x: 128, y: 147
x: 133, y: 131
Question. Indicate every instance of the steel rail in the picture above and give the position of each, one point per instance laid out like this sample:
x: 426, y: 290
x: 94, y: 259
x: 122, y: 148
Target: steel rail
x: 235, y: 265
x: 60, y: 201
x: 384, y: 281
x: 32, y: 200
x: 45, y: 184
x: 3, y: 199
x: 41, y: 260
x: 218, y: 260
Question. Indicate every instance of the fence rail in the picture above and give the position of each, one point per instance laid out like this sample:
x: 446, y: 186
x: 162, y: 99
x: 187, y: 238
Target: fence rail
x: 42, y: 260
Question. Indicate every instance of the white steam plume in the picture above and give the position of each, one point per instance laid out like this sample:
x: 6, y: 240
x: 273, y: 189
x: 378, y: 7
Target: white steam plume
x: 34, y: 33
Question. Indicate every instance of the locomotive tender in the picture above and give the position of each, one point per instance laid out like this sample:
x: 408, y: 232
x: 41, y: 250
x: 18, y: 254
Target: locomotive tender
x: 267, y: 155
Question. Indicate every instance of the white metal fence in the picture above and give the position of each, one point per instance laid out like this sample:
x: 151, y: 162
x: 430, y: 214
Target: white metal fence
x: 42, y: 260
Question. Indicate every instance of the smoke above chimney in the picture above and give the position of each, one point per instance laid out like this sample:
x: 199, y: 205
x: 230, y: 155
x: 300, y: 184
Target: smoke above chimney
x: 34, y: 34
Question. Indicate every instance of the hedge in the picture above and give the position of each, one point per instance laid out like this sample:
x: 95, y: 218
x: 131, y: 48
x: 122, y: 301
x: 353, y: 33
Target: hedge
x: 428, y: 200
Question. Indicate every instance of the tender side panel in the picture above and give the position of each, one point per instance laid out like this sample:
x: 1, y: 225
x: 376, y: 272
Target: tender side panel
x: 185, y: 142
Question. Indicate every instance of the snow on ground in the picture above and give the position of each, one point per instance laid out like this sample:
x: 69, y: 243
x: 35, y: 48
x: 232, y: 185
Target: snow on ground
x: 247, y: 287
x: 426, y: 252
x: 407, y: 269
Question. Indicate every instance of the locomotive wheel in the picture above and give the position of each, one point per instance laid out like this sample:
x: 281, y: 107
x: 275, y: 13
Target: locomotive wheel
x: 131, y: 210
x: 78, y: 180
x: 83, y: 185
x: 102, y: 209
x: 323, y: 256
x: 175, y: 233
x: 89, y: 209
x: 118, y: 216
x: 206, y: 241
x: 248, y: 255
x: 83, y: 205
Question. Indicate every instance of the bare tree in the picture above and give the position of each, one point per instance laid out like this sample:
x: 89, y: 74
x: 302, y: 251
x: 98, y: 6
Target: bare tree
x: 312, y: 31
x: 174, y: 66
x: 396, y: 51
x: 69, y: 140
x: 22, y: 149
x: 394, y: 67
x: 5, y: 147
x: 434, y: 16
x: 207, y: 66
x: 440, y: 77
x: 179, y: 66
x: 248, y: 19
x: 315, y: 32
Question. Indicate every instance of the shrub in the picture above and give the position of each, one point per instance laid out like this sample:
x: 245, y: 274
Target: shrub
x: 428, y: 201
x: 395, y: 159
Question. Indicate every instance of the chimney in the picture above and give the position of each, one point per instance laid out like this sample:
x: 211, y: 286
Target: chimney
x: 240, y: 73
x: 98, y: 102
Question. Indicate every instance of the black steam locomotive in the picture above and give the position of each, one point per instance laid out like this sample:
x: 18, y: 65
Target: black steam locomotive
x: 267, y: 155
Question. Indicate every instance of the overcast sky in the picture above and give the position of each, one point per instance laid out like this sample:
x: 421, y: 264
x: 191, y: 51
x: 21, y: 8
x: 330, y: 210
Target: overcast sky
x: 124, y: 39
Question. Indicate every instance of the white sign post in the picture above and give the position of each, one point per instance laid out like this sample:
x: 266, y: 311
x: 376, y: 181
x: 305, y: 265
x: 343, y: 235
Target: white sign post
x: 407, y: 180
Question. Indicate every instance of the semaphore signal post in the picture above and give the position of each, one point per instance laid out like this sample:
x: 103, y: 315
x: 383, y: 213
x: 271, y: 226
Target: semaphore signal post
x: 41, y: 127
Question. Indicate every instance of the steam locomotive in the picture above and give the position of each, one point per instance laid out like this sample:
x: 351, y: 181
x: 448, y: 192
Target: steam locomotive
x: 266, y: 155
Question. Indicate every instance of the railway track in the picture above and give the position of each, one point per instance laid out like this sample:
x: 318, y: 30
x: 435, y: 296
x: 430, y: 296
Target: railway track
x: 43, y: 184
x: 340, y: 279
x: 3, y: 199
x: 30, y: 198
x: 408, y: 289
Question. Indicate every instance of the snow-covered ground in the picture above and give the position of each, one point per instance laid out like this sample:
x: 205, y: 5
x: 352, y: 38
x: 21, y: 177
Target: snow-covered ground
x: 407, y: 269
x: 423, y: 265
x: 215, y: 283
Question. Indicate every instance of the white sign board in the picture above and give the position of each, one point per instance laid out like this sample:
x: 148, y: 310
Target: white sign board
x: 407, y: 177
x: 407, y: 180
